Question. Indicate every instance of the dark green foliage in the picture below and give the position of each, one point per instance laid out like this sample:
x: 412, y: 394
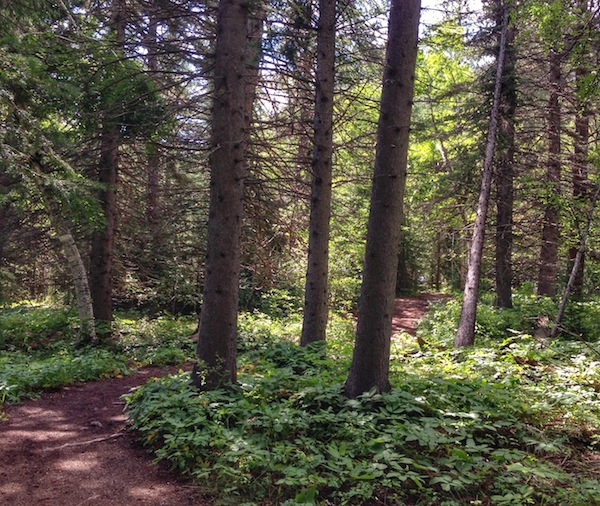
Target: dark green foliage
x: 487, y: 425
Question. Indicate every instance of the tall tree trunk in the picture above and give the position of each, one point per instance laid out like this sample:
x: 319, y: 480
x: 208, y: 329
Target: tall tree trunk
x: 316, y: 291
x: 102, y: 248
x: 216, y: 348
x: 579, y: 176
x: 465, y: 335
x: 153, y: 154
x: 101, y: 253
x: 370, y: 360
x: 505, y: 177
x: 551, y: 233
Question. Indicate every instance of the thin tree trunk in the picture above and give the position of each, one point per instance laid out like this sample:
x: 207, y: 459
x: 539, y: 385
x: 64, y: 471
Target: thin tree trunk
x: 505, y: 178
x: 575, y: 268
x: 216, y: 348
x: 579, y: 175
x: 551, y: 232
x: 153, y: 154
x: 465, y: 335
x: 316, y: 291
x: 75, y: 262
x: 370, y: 360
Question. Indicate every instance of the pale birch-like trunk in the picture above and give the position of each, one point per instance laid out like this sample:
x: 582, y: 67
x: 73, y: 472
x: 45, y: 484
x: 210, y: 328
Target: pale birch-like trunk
x: 77, y: 268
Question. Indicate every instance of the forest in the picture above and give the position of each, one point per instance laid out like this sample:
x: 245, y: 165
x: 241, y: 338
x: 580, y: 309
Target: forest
x: 248, y: 197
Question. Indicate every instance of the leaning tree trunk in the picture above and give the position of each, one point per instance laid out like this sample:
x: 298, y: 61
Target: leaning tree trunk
x: 74, y: 261
x: 574, y: 270
x: 316, y: 292
x: 550, y: 233
x: 217, y: 332
x: 370, y: 360
x: 465, y: 335
x: 505, y: 177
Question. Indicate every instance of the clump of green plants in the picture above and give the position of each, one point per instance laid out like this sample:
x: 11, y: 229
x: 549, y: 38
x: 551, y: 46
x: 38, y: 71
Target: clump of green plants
x: 159, y: 341
x: 26, y: 374
x: 39, y: 348
x: 493, y: 424
x: 29, y: 327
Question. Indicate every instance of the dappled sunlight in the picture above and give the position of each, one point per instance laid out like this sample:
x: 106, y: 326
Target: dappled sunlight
x: 82, y: 463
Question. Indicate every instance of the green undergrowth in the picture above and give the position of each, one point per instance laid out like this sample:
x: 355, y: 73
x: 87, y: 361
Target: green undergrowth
x: 39, y: 348
x: 506, y: 422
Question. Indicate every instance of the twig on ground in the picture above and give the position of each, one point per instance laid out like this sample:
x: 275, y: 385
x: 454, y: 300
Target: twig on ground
x: 91, y: 441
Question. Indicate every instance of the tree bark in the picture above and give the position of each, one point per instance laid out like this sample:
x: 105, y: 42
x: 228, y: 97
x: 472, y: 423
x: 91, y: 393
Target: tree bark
x: 75, y: 262
x: 370, y: 360
x: 579, y: 176
x: 551, y: 233
x: 465, y: 335
x: 101, y: 253
x: 102, y: 247
x: 216, y: 348
x: 576, y: 262
x: 505, y: 177
x: 316, y: 290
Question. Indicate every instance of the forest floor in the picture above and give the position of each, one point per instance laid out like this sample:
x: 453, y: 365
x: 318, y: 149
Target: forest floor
x: 72, y: 447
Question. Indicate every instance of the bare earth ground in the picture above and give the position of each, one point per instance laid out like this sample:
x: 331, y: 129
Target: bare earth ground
x: 71, y: 447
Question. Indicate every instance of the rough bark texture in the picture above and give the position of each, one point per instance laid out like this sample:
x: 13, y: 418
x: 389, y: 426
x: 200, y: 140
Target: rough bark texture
x: 579, y: 178
x: 550, y: 232
x: 216, y: 348
x: 101, y: 253
x: 316, y: 290
x: 102, y: 248
x: 505, y: 177
x: 370, y: 361
x: 465, y: 335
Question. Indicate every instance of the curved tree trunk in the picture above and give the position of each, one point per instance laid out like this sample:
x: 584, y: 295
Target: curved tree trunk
x: 316, y: 291
x: 465, y: 335
x: 370, y: 360
x: 75, y: 262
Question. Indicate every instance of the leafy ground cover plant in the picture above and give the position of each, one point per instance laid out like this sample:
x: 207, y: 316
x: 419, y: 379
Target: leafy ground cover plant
x: 39, y: 349
x: 506, y: 422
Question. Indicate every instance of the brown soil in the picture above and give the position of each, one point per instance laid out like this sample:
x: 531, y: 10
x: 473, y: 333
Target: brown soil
x: 409, y: 310
x: 71, y: 447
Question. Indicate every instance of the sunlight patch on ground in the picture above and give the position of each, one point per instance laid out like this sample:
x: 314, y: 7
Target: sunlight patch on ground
x: 82, y: 463
x: 12, y: 488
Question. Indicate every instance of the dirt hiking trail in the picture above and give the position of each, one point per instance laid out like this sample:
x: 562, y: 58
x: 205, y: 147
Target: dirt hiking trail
x: 72, y: 447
